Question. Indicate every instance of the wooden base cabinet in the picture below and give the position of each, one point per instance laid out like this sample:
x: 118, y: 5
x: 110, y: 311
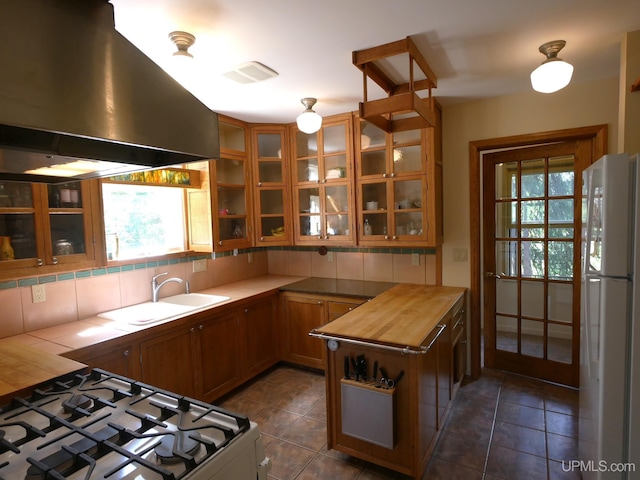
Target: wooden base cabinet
x: 114, y: 356
x: 304, y: 312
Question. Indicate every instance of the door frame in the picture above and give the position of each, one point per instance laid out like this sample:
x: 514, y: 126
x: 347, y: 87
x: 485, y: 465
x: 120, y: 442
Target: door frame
x: 599, y: 137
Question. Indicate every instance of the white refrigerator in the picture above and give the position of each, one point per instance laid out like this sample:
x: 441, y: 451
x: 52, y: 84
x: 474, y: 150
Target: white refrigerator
x: 609, y: 423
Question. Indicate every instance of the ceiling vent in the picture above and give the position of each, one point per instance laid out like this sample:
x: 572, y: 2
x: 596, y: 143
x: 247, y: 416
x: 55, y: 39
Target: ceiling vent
x: 250, y: 72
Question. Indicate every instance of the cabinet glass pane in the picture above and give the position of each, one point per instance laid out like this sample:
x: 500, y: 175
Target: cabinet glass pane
x: 306, y: 145
x: 408, y: 223
x: 232, y: 228
x: 15, y: 194
x: 310, y: 225
x: 230, y: 171
x: 269, y: 145
x: 337, y: 225
x: 407, y: 136
x: 231, y: 137
x: 67, y: 233
x: 378, y: 222
x: 271, y: 202
x: 407, y: 193
x: 22, y: 232
x: 335, y: 139
x: 374, y: 162
x: 269, y: 172
x: 231, y: 201
x: 309, y: 200
x: 336, y: 199
x: 373, y: 193
x: 407, y: 159
x: 307, y: 170
x: 335, y: 166
x: 272, y: 226
x: 65, y: 195
x: 371, y: 136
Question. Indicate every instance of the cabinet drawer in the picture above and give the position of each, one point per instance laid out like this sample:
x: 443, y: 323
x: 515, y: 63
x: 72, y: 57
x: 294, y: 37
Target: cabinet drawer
x: 336, y: 309
x: 457, y: 320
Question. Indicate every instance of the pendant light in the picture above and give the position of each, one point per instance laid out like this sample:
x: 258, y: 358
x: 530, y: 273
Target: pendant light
x: 309, y: 121
x: 554, y: 74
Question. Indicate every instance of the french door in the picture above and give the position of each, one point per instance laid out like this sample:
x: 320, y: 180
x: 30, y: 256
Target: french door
x: 531, y: 259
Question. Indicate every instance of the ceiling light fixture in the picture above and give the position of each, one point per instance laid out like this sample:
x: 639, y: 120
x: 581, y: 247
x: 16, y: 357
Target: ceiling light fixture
x: 554, y: 74
x: 309, y: 121
x: 183, y: 41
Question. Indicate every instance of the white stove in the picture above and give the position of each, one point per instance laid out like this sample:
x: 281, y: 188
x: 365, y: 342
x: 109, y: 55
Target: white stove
x: 105, y: 426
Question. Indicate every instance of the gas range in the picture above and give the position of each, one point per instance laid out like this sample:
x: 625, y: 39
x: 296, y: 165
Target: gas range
x: 101, y: 425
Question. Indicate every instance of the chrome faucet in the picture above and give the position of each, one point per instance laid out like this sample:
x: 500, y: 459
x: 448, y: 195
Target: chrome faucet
x: 155, y: 287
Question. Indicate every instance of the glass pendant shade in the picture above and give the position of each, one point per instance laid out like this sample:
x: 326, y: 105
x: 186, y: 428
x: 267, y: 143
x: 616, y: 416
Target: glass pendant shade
x: 309, y: 121
x: 551, y: 76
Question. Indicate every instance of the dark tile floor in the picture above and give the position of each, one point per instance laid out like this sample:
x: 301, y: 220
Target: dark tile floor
x: 501, y: 426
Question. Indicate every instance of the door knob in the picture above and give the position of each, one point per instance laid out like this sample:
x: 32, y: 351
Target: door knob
x: 493, y: 275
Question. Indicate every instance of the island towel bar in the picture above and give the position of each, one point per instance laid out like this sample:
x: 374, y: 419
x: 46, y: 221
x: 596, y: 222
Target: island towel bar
x: 420, y: 351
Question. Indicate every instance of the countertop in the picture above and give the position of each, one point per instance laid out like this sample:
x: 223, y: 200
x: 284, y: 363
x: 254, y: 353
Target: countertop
x: 333, y: 286
x: 403, y: 316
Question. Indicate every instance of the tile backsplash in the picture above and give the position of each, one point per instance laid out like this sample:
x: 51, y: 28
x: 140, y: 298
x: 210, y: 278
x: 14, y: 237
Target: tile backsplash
x: 77, y: 295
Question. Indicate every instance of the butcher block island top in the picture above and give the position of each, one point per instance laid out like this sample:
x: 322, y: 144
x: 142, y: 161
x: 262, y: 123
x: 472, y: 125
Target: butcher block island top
x: 403, y: 316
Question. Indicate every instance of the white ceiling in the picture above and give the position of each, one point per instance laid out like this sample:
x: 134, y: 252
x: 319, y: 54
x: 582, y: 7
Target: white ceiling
x: 477, y: 48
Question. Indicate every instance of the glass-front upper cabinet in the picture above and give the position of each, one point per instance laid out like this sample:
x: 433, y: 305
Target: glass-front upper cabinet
x: 270, y: 171
x: 322, y: 183
x: 231, y: 201
x: 50, y: 226
x: 399, y: 186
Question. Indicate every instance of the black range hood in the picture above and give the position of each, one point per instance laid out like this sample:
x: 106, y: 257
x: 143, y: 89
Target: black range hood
x: 73, y: 90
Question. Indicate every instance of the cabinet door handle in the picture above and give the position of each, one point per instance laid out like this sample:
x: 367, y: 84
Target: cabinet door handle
x: 220, y: 243
x: 246, y: 310
x: 386, y: 237
x: 262, y: 239
x: 384, y: 175
x: 319, y: 302
x: 259, y: 184
x: 324, y: 180
x: 55, y: 260
x: 192, y: 329
x: 201, y: 327
x: 393, y: 175
x: 40, y: 262
x: 125, y: 353
x: 394, y: 238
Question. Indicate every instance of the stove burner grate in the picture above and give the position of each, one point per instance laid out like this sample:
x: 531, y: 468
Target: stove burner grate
x: 174, y: 447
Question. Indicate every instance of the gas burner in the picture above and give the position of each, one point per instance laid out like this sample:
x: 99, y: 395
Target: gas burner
x: 75, y: 402
x: 175, y: 446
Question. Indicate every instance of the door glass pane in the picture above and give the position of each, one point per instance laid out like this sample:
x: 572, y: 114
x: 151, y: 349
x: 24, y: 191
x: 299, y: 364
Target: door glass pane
x: 232, y: 228
x: 533, y: 213
x: 15, y: 194
x: 65, y: 195
x: 507, y: 258
x: 506, y: 220
x: 335, y: 166
x: 336, y: 199
x: 337, y: 225
x: 272, y: 226
x: 310, y: 225
x: 21, y: 230
x: 374, y: 195
x: 407, y: 159
x: 309, y: 200
x: 532, y: 299
x: 533, y: 178
x: 269, y: 145
x: 506, y: 334
x: 560, y: 302
x: 371, y: 136
x: 378, y: 222
x: 408, y: 223
x: 561, y: 211
x: 306, y: 145
x: 407, y: 193
x: 561, y: 176
x: 506, y: 296
x: 532, y: 259
x: 231, y: 201
x: 561, y: 260
x: 559, y: 343
x: 271, y: 202
x: 269, y: 172
x: 532, y: 342
x: 334, y: 139
x: 506, y: 180
x: 407, y: 136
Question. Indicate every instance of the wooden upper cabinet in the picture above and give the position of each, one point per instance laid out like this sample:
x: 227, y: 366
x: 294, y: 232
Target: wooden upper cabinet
x: 399, y: 186
x: 271, y: 187
x: 322, y: 179
x: 50, y: 228
x: 230, y: 189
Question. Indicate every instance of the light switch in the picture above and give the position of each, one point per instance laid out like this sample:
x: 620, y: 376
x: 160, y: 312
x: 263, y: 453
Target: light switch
x: 415, y: 259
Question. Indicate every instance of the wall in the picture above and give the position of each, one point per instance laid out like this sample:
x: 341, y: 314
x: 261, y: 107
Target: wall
x: 577, y: 105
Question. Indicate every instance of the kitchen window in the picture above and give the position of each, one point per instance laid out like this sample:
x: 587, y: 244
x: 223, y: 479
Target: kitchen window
x: 143, y: 221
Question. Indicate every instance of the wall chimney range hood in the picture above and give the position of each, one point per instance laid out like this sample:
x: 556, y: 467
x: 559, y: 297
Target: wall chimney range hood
x: 79, y: 100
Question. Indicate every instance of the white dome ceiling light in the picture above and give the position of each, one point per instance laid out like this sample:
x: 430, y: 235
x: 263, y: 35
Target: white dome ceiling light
x: 309, y: 121
x: 554, y: 74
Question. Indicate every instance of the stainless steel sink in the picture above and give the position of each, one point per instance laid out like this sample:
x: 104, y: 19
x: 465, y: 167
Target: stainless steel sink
x: 166, y: 308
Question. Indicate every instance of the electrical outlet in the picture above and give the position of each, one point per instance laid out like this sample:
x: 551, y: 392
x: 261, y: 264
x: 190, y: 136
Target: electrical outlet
x: 329, y: 257
x: 200, y: 265
x: 415, y: 259
x: 235, y: 252
x: 38, y: 293
x: 250, y: 257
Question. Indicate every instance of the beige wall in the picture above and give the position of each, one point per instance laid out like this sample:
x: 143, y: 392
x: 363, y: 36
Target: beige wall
x: 577, y: 105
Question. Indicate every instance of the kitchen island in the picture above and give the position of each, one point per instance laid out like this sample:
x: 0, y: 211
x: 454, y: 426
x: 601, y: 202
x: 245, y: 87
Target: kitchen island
x: 393, y: 367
